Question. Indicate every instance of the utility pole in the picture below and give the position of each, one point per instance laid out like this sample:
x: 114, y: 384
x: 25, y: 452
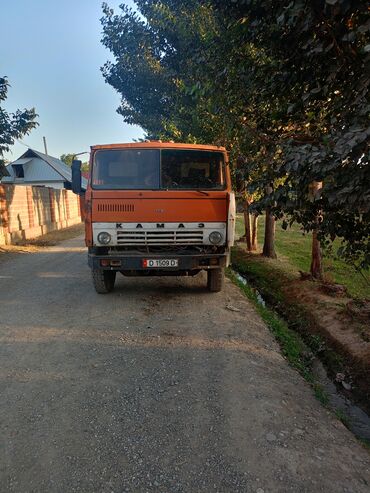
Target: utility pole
x: 46, y: 149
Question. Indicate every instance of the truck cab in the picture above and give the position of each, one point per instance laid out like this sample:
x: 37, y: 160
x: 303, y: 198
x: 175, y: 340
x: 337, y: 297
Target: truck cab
x: 157, y: 209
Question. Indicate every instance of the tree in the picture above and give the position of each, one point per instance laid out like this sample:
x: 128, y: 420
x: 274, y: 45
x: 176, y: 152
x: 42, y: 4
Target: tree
x: 317, y: 110
x: 12, y: 125
x: 281, y: 83
x: 183, y: 57
x: 269, y: 241
x: 316, y: 256
x: 68, y: 159
x: 153, y: 71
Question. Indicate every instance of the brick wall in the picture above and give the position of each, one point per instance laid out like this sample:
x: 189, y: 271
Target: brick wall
x: 28, y: 212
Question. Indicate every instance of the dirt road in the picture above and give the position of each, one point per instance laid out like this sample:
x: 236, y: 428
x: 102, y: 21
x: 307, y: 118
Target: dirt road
x: 155, y: 387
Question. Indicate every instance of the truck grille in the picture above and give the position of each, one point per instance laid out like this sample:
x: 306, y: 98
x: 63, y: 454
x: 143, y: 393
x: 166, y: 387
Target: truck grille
x: 166, y: 237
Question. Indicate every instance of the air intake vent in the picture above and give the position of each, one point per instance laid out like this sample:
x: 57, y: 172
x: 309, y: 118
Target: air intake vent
x: 112, y: 207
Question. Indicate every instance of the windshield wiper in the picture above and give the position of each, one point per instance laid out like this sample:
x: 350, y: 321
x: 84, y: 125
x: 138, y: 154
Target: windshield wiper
x: 201, y: 191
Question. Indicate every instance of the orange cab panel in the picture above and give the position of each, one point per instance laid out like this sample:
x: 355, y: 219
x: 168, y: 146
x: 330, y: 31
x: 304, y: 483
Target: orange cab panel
x: 159, y: 209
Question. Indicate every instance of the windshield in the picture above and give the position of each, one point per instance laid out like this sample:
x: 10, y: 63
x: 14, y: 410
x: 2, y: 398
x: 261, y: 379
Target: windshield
x: 128, y: 169
x: 151, y: 169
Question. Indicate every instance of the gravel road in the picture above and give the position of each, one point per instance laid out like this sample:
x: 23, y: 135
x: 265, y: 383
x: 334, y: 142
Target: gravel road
x: 154, y: 387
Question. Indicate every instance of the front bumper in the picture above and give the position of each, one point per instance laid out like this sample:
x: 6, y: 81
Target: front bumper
x: 135, y: 262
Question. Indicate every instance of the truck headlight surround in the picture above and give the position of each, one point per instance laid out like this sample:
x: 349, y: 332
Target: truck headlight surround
x: 104, y: 238
x: 215, y: 237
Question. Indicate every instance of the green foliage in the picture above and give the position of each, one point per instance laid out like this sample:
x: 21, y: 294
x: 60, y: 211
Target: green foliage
x: 12, y: 125
x: 153, y: 70
x: 321, y: 395
x: 315, y: 112
x: 68, y: 159
x: 283, y: 84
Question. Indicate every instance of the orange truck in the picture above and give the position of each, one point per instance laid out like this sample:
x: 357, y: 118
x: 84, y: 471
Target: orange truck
x: 157, y: 209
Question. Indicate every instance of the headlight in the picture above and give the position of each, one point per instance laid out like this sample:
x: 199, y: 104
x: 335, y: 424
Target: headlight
x: 104, y: 238
x: 215, y: 237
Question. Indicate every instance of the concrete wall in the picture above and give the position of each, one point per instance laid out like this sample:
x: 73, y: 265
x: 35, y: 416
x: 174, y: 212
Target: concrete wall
x: 27, y: 212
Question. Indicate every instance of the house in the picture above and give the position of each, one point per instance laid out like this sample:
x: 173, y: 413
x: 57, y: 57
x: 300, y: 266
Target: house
x: 38, y: 169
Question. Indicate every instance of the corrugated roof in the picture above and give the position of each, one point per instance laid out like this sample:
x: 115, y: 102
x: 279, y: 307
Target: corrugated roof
x: 58, y: 165
x: 61, y: 168
x: 21, y: 161
x: 39, y: 170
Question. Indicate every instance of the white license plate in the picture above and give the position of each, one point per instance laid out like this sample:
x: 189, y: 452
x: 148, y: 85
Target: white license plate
x: 149, y: 263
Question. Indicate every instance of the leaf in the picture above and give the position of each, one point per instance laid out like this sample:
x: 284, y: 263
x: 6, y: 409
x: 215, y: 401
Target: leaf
x: 281, y: 18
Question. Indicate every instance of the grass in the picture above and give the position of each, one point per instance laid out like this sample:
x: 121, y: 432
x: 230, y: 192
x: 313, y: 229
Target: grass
x: 322, y: 396
x: 365, y: 443
x: 293, y: 249
x: 292, y: 346
x: 270, y: 277
x: 342, y: 417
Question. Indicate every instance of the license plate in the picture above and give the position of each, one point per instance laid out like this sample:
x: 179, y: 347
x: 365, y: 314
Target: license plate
x: 149, y: 263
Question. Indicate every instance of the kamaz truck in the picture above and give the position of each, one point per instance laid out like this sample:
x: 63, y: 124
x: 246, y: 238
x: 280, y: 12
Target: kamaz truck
x: 157, y: 209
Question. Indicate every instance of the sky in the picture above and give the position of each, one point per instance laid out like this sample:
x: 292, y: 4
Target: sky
x: 50, y: 50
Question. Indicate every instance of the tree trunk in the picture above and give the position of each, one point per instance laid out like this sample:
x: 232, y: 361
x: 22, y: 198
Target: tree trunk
x: 247, y: 225
x: 254, y: 245
x: 269, y: 240
x: 316, y: 262
x: 316, y: 258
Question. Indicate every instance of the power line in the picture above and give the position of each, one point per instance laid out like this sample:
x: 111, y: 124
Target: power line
x: 23, y: 144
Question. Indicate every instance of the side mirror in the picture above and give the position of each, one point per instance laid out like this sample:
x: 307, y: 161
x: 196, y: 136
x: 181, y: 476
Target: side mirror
x: 76, y: 176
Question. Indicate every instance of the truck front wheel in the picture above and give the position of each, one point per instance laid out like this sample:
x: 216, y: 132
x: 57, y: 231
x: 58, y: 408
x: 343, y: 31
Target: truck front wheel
x: 215, y: 280
x: 103, y: 280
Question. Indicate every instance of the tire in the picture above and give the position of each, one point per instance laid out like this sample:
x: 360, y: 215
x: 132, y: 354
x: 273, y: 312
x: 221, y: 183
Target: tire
x: 103, y: 280
x: 215, y: 280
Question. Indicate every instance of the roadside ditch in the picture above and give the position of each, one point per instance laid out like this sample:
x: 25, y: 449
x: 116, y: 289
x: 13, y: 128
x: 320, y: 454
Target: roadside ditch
x: 332, y: 375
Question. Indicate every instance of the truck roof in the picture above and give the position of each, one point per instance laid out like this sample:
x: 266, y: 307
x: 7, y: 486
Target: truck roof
x: 155, y: 144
